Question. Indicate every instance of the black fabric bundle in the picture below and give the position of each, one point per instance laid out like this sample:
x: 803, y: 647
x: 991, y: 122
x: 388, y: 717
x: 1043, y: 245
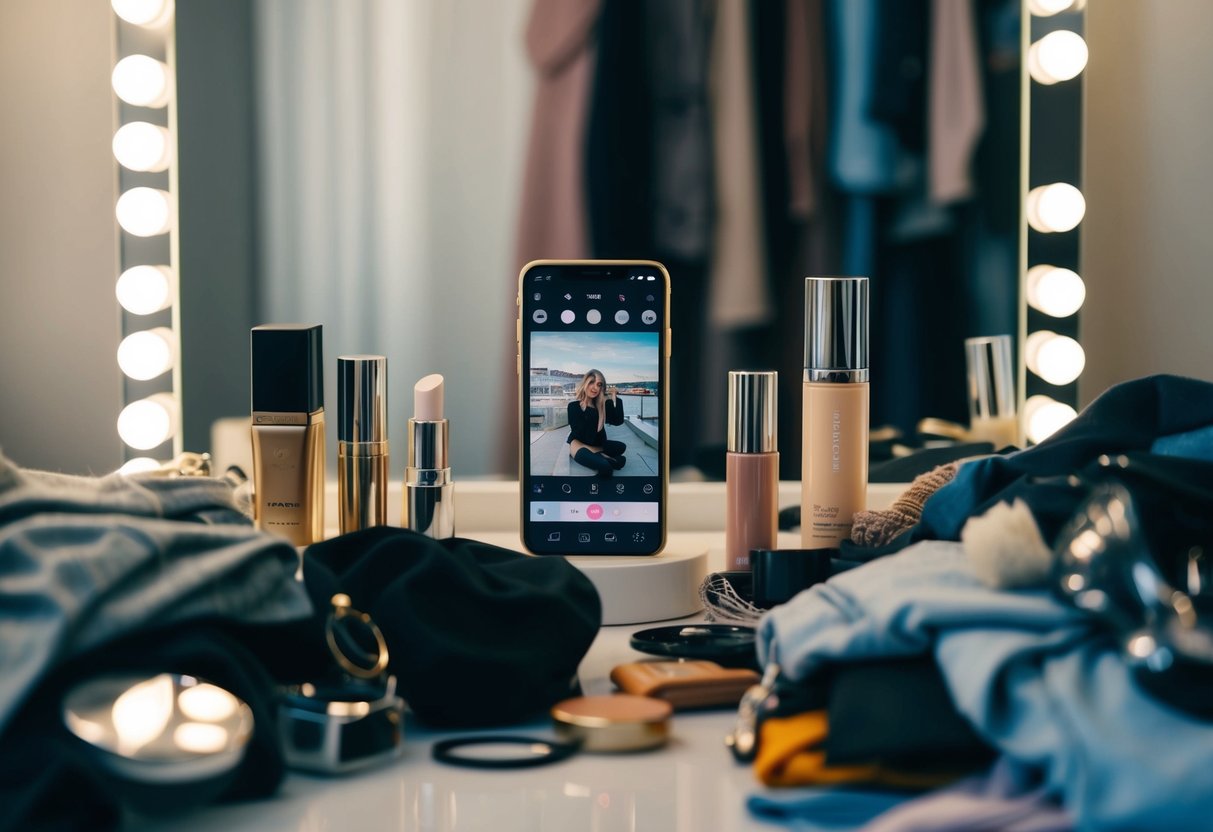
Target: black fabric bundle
x: 478, y: 635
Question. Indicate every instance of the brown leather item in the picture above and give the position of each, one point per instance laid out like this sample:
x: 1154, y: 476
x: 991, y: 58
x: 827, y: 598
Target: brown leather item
x: 685, y: 684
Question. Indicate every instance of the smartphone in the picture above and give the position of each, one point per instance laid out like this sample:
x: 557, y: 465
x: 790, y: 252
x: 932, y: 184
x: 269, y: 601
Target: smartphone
x: 593, y: 367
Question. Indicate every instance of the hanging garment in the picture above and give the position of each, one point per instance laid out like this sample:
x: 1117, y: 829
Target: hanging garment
x: 737, y: 286
x: 560, y: 44
x: 956, y: 109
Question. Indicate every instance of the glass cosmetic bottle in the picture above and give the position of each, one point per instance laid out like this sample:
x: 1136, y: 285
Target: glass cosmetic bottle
x: 834, y: 465
x: 751, y: 467
x: 288, y: 431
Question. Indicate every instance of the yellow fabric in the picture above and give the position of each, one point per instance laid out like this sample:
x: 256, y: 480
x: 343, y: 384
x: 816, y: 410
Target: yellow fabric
x: 789, y: 755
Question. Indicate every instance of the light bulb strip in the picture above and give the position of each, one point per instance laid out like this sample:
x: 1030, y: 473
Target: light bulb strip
x: 150, y: 350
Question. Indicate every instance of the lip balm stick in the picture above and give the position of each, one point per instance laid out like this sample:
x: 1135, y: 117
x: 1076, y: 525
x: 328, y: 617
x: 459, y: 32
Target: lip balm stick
x: 429, y: 493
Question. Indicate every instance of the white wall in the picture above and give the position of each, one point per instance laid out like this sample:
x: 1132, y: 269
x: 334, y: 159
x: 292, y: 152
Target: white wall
x: 60, y: 388
x: 1148, y: 235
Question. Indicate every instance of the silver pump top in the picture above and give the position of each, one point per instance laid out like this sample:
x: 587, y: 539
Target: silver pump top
x: 990, y: 377
x: 362, y: 398
x: 753, y: 411
x: 836, y: 329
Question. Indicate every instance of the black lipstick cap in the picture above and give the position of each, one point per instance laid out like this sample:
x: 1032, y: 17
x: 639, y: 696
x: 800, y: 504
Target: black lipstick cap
x: 288, y: 368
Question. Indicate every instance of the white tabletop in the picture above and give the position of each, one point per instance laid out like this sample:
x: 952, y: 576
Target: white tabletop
x: 690, y: 785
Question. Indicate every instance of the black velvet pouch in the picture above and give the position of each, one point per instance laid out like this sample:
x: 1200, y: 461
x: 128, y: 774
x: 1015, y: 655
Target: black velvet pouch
x: 478, y: 635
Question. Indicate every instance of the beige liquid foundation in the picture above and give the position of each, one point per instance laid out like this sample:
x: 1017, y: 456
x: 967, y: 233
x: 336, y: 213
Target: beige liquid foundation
x: 751, y: 467
x: 834, y: 467
x: 288, y: 431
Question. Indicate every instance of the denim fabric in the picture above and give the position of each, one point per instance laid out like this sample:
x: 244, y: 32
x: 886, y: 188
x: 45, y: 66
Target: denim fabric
x: 86, y: 561
x: 1033, y: 676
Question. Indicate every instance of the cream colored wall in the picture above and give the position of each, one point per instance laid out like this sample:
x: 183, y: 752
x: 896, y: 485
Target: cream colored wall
x: 60, y: 388
x: 1148, y: 236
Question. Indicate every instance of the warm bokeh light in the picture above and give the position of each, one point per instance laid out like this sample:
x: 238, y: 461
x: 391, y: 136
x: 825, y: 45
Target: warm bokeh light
x: 1056, y: 207
x: 1058, y: 56
x: 145, y: 212
x: 141, y: 81
x: 149, y: 422
x: 1058, y: 359
x: 1044, y: 416
x: 149, y: 13
x: 143, y: 146
x: 146, y: 354
x: 1055, y: 291
x: 143, y: 290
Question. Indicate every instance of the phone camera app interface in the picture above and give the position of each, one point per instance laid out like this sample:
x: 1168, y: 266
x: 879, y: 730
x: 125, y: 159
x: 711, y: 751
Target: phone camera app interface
x: 593, y: 407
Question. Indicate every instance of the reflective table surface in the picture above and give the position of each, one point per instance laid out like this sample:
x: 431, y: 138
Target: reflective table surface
x: 690, y: 785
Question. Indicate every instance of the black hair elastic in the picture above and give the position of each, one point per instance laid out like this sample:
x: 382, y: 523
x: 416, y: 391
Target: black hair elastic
x: 542, y: 751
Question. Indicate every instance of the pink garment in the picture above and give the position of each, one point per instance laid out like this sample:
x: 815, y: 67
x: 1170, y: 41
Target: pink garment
x: 559, y: 42
x: 955, y: 107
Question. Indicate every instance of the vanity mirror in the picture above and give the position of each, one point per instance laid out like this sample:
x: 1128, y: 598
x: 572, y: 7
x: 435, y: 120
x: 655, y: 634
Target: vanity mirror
x: 362, y: 164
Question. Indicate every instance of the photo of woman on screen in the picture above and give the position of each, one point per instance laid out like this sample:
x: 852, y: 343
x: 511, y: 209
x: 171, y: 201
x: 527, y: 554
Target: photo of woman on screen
x: 594, y: 406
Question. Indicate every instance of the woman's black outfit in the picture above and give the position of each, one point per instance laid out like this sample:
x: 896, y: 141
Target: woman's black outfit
x: 583, y: 426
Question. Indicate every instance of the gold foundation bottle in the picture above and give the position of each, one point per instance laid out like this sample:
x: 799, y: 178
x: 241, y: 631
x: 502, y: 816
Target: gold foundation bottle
x: 834, y: 466
x: 288, y: 431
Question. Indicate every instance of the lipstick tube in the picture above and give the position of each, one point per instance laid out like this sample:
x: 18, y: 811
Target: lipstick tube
x: 751, y: 518
x: 288, y: 431
x: 834, y: 464
x: 362, y: 445
x: 429, y: 493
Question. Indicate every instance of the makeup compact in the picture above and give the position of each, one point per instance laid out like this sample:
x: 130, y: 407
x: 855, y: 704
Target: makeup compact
x: 726, y: 644
x: 612, y: 724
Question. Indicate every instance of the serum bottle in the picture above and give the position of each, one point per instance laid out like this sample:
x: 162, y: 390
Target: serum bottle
x: 834, y: 466
x: 288, y: 431
x: 751, y: 467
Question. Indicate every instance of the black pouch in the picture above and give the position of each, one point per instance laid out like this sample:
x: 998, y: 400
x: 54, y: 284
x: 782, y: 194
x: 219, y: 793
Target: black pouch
x: 478, y: 635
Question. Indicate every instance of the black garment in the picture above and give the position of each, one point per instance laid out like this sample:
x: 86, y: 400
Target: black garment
x: 477, y: 635
x: 583, y: 422
x: 600, y: 462
x: 41, y: 762
x: 897, y: 712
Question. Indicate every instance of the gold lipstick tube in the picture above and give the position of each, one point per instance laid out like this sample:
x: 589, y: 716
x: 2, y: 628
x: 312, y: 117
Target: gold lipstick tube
x: 362, y: 446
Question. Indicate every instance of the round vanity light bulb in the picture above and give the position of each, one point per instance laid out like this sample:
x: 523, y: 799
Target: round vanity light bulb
x: 1058, y: 56
x: 145, y: 212
x: 138, y: 465
x: 150, y: 13
x: 143, y: 146
x: 1044, y: 416
x: 1048, y: 8
x: 1056, y: 207
x: 147, y: 354
x: 1055, y: 291
x: 1058, y: 359
x: 149, y: 422
x: 143, y: 290
x: 141, y: 81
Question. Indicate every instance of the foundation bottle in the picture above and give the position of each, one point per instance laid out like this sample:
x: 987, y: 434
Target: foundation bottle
x: 834, y: 465
x: 991, y: 389
x: 288, y: 431
x: 751, y: 467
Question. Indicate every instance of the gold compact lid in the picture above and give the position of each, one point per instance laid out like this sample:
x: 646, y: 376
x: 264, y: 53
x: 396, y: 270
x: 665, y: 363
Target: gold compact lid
x: 619, y: 722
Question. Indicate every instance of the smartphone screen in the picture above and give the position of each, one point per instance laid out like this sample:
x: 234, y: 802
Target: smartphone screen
x: 593, y: 344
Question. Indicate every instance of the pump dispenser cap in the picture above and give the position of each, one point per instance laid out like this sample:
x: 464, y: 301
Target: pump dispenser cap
x: 753, y: 411
x: 361, y: 398
x: 836, y: 329
x: 288, y: 368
